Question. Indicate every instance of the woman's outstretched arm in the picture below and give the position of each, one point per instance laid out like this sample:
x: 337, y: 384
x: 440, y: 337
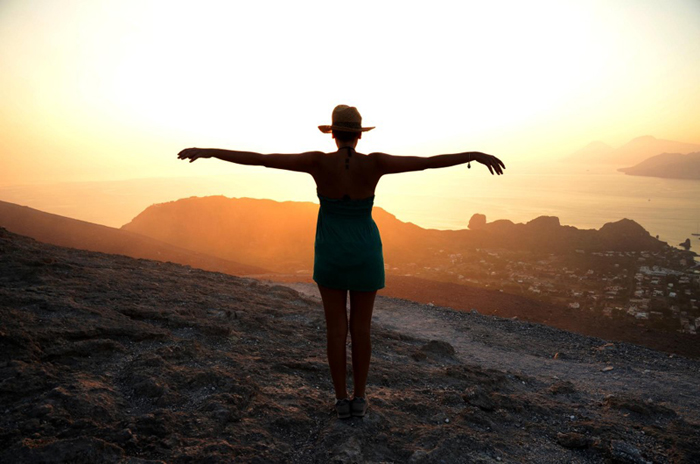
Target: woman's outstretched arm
x: 300, y: 162
x: 389, y: 164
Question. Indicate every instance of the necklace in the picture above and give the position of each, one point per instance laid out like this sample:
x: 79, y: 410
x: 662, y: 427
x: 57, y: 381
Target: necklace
x: 347, y: 160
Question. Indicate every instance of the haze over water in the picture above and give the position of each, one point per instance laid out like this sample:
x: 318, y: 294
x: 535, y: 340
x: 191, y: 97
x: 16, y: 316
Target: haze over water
x: 584, y: 197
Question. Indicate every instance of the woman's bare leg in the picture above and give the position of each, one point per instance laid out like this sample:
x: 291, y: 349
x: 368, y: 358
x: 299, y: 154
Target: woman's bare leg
x: 361, y: 306
x: 334, y: 304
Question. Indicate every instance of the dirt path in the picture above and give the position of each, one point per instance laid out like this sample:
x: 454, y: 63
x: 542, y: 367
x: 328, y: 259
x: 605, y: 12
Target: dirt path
x: 529, y: 350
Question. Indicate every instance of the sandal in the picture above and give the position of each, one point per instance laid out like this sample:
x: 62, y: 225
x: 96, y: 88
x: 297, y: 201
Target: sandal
x: 359, y: 406
x: 342, y: 408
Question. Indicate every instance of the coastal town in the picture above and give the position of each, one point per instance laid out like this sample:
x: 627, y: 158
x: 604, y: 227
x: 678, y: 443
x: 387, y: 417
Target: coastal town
x: 659, y: 289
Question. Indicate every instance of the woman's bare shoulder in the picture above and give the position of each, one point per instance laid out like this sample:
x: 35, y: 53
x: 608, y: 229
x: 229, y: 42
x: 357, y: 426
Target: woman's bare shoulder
x: 379, y: 157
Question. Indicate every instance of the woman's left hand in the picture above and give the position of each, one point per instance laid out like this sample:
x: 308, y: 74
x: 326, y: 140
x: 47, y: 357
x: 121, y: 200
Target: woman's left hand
x: 495, y: 165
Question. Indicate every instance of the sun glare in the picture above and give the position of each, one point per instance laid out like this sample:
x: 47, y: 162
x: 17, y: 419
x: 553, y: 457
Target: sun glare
x: 124, y: 84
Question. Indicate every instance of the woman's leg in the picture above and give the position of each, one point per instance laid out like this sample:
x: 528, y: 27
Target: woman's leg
x: 334, y: 304
x: 361, y: 306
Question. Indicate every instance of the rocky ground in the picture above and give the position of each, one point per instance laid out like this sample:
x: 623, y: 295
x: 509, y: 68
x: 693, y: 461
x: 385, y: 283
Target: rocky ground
x: 105, y: 358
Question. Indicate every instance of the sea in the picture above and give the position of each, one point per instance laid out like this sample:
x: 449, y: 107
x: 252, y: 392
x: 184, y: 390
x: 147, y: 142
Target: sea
x: 585, y: 197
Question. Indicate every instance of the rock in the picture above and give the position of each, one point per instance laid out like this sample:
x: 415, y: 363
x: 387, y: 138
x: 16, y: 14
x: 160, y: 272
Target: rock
x: 78, y: 450
x: 562, y: 387
x: 574, y: 440
x: 638, y: 406
x: 477, y: 222
x: 216, y: 330
x: 132, y: 460
x: 435, y: 349
x: 624, y: 453
x: 348, y: 452
x: 149, y: 388
x: 450, y: 398
x: 151, y: 424
x: 438, y: 348
x: 85, y: 348
x: 41, y: 410
x: 418, y: 457
x: 124, y: 437
x: 477, y: 397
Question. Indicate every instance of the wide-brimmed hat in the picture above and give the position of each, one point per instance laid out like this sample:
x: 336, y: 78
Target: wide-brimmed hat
x: 345, y: 118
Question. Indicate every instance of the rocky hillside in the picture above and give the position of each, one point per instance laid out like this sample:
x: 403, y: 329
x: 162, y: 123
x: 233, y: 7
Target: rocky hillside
x: 108, y: 359
x: 73, y: 233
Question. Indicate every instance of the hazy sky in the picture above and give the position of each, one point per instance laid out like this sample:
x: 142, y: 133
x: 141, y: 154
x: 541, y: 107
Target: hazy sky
x: 103, y: 89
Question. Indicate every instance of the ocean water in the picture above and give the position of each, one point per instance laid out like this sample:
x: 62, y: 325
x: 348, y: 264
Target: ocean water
x: 584, y: 197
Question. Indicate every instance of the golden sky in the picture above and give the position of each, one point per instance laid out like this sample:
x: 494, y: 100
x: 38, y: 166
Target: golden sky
x: 102, y: 89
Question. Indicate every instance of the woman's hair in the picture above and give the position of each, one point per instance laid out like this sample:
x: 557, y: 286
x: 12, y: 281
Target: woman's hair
x: 346, y: 136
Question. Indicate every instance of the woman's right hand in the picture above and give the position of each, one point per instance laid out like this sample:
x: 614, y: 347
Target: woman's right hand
x: 495, y: 165
x: 193, y: 154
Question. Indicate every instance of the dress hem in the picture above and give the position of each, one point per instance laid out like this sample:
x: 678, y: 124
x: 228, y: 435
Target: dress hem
x: 335, y: 287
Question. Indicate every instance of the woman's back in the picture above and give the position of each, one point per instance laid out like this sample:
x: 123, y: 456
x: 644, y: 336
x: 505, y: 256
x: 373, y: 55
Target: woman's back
x: 346, y: 173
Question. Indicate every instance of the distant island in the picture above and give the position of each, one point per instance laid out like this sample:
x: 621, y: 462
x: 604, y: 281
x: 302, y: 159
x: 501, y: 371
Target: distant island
x: 668, y: 165
x: 635, y: 151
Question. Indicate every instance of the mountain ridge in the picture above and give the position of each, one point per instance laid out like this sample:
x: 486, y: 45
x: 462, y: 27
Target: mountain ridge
x: 633, y: 152
x: 74, y: 233
x: 280, y: 236
x: 668, y: 165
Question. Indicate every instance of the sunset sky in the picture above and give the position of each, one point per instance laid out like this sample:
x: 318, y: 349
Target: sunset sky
x: 105, y: 90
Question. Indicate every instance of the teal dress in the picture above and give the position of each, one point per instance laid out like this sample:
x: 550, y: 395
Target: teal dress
x: 348, y: 248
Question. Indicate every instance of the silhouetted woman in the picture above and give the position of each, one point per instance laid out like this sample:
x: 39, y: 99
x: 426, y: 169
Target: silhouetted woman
x: 348, y: 249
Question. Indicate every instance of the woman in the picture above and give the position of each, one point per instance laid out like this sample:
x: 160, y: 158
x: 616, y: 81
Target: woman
x: 348, y: 249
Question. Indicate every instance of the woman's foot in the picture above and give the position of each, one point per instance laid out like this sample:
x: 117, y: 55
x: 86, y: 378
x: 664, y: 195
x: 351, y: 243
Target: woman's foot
x: 342, y: 408
x: 359, y: 406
